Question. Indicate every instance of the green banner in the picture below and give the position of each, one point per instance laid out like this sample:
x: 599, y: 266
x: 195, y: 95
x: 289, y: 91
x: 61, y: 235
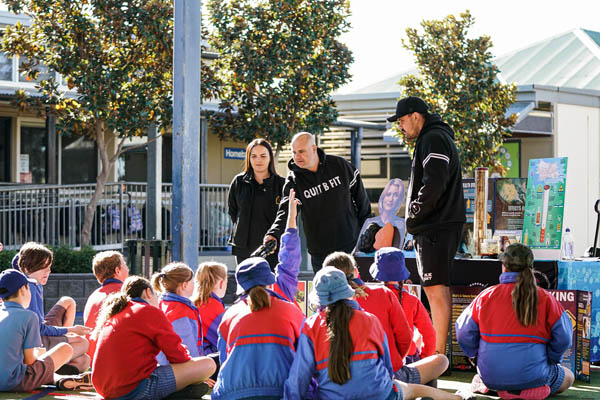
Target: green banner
x: 510, y: 156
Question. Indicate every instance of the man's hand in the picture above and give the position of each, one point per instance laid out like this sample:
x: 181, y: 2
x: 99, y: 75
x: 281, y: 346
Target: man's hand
x: 79, y: 330
x: 268, y: 238
x: 292, y: 210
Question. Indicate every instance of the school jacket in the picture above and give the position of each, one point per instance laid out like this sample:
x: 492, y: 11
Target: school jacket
x: 435, y: 194
x: 370, y: 366
x: 256, y: 349
x: 211, y: 314
x: 184, y: 317
x: 93, y: 306
x: 127, y: 347
x: 509, y: 355
x: 417, y: 316
x: 334, y: 204
x: 384, y: 304
x: 37, y: 306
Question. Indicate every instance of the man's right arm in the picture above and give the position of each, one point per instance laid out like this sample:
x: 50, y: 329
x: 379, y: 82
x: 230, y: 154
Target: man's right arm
x: 280, y: 222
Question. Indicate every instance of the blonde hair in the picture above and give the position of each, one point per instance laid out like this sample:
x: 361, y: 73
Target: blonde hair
x: 207, y: 276
x: 133, y: 287
x: 345, y: 263
x: 171, y: 276
x: 105, y: 263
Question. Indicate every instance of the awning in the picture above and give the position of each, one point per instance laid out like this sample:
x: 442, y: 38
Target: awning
x: 529, y: 120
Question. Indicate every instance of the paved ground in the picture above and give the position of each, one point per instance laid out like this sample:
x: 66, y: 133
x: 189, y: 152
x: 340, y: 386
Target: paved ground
x: 458, y: 380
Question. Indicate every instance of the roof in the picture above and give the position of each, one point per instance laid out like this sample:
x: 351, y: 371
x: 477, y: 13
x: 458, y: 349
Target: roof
x: 570, y: 59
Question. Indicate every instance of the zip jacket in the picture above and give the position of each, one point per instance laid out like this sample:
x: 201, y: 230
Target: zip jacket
x: 211, y: 314
x: 511, y: 356
x: 183, y: 316
x: 435, y: 194
x: 370, y: 365
x: 333, y: 204
x: 93, y: 306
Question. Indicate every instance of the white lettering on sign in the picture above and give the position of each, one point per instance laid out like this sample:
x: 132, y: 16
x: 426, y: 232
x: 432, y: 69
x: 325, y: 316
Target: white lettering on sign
x: 564, y: 296
x: 322, y: 187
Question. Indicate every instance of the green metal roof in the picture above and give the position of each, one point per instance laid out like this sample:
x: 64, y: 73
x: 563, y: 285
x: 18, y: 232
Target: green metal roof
x: 570, y: 59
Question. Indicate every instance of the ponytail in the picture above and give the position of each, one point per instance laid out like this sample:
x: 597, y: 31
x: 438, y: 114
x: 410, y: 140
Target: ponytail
x: 258, y: 298
x: 133, y: 287
x: 207, y: 276
x: 171, y: 276
x: 525, y: 297
x: 338, y: 317
x: 345, y: 263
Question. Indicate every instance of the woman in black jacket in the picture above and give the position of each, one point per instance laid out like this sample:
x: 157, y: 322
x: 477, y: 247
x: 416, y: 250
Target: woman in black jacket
x: 254, y: 197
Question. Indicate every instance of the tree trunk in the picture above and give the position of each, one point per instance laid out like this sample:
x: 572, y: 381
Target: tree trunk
x: 105, y: 167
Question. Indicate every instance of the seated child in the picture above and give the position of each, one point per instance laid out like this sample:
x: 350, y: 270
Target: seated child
x: 35, y: 261
x: 389, y: 267
x: 175, y: 285
x: 346, y: 349
x: 257, y: 337
x: 24, y: 364
x: 110, y: 270
x: 131, y: 331
x: 383, y: 303
x: 210, y: 287
x: 518, y: 332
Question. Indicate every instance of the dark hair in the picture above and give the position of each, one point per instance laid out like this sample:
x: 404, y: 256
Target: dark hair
x: 252, y: 145
x: 258, y: 298
x: 105, y: 263
x: 345, y: 263
x: 33, y: 257
x: 338, y: 317
x: 133, y: 287
x: 519, y: 258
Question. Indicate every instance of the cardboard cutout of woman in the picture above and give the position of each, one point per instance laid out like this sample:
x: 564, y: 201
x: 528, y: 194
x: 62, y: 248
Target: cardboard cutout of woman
x: 390, y: 202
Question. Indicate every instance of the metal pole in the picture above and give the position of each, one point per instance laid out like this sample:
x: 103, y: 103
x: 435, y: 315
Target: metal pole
x: 186, y: 130
x: 154, y: 168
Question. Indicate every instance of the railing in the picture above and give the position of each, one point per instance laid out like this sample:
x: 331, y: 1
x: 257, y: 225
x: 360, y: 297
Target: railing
x: 54, y: 215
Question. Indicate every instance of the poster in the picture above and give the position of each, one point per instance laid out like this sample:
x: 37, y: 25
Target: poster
x: 510, y: 154
x: 509, y: 205
x: 544, y: 206
x: 462, y: 297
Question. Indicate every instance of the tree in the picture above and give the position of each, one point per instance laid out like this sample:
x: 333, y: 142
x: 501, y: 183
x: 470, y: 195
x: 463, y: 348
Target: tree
x: 115, y: 55
x: 459, y: 81
x: 279, y: 61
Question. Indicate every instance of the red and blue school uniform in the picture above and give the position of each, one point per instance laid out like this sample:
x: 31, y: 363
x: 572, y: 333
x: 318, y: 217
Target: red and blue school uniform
x: 383, y: 303
x: 185, y: 319
x: 370, y: 365
x: 511, y: 356
x: 211, y: 314
x: 256, y: 349
x: 127, y: 347
x: 416, y: 316
x: 93, y: 306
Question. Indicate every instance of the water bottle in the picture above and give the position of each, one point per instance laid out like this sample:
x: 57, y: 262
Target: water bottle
x: 568, y: 245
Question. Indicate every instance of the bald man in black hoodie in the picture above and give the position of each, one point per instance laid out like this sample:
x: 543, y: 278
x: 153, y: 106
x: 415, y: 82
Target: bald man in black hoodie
x: 435, y: 211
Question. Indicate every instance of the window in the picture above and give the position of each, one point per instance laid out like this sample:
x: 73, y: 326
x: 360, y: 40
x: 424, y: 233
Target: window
x: 4, y: 149
x: 33, y: 154
x: 78, y: 160
x: 400, y: 167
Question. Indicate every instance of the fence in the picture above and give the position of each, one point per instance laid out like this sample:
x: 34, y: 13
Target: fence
x: 54, y: 215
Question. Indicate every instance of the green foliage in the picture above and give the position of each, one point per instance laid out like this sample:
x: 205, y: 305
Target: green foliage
x: 66, y: 260
x: 279, y: 61
x: 458, y: 80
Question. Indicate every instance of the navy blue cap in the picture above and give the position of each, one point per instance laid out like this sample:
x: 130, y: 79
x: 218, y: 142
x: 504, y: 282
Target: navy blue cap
x: 389, y: 265
x: 329, y: 285
x: 254, y: 271
x: 12, y: 280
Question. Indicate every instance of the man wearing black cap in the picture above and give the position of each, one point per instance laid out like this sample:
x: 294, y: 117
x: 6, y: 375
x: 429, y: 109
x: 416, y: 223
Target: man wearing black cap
x: 435, y: 208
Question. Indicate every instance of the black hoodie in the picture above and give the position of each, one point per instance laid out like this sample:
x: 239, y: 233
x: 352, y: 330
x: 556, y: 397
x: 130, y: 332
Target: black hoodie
x: 435, y: 193
x: 333, y: 204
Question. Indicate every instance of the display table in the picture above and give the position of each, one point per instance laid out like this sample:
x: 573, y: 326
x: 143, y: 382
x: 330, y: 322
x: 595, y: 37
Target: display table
x: 584, y: 275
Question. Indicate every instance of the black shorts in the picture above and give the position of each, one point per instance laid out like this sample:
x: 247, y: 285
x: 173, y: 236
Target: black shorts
x: 435, y: 253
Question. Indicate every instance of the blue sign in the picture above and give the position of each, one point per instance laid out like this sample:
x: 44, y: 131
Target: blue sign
x: 235, y: 154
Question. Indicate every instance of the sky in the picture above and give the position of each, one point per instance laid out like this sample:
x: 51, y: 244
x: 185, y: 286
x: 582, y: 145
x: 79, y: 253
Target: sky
x: 378, y: 27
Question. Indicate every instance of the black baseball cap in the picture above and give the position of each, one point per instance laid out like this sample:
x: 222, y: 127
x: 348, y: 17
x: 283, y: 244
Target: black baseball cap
x: 409, y: 105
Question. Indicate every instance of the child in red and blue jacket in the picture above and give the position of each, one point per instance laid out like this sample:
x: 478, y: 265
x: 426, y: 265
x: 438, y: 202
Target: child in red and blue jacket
x: 258, y: 335
x: 518, y: 332
x: 346, y: 349
x: 176, y: 284
x: 389, y: 267
x: 210, y: 286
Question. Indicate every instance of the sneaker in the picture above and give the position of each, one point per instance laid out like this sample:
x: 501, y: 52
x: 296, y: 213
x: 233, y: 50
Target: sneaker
x: 465, y: 394
x: 76, y: 382
x: 477, y: 385
x: 68, y: 370
x: 537, y: 393
x: 195, y: 391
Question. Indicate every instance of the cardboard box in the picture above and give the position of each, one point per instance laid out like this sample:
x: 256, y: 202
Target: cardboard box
x: 578, y: 305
